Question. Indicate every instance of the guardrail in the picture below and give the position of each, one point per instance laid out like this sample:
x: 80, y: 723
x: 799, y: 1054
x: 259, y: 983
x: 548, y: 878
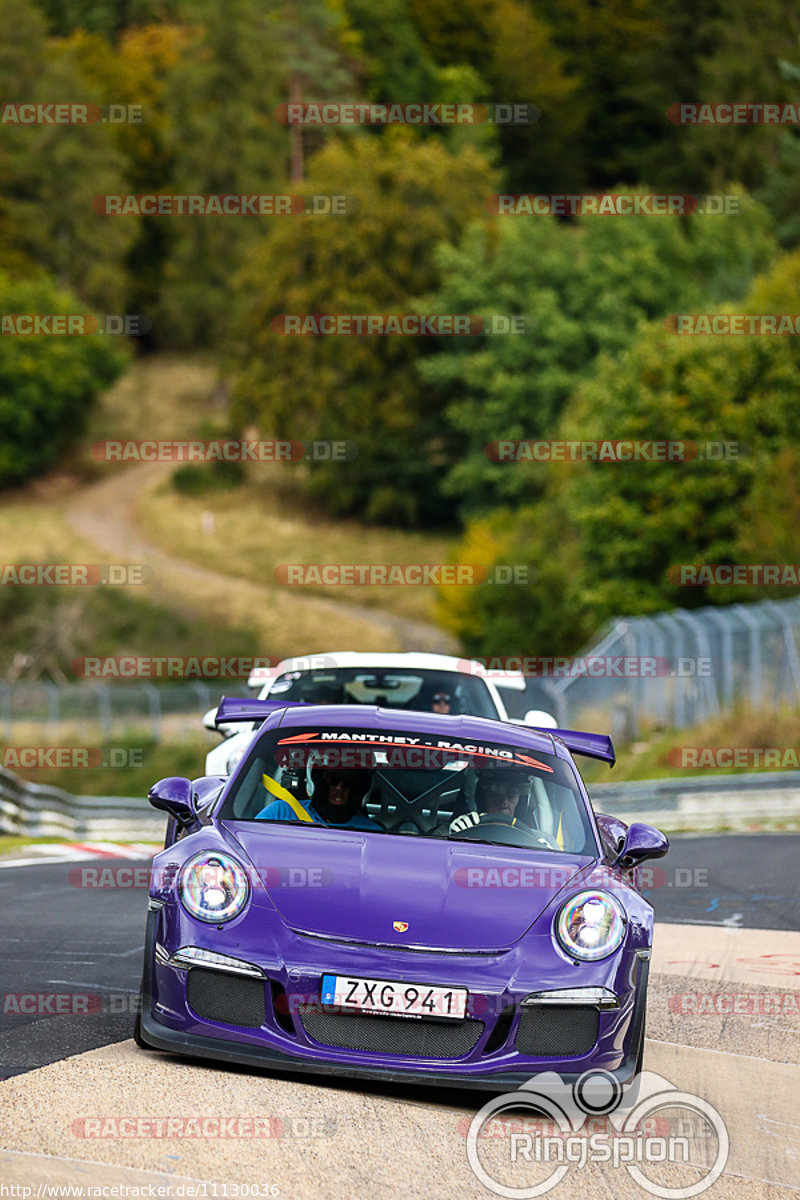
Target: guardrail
x: 38, y: 810
x: 697, y: 804
x: 105, y: 710
x: 736, y: 802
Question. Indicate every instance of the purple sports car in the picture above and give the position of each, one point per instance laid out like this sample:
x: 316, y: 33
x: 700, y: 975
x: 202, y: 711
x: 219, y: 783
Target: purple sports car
x: 398, y: 895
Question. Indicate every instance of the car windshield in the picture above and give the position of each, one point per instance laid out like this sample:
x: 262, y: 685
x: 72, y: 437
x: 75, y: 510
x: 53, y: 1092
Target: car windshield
x: 402, y: 688
x: 412, y: 783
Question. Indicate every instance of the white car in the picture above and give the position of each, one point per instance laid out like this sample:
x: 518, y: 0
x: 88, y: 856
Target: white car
x: 400, y: 681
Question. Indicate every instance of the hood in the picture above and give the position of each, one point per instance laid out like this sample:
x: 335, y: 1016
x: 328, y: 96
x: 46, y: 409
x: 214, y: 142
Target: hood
x: 345, y: 884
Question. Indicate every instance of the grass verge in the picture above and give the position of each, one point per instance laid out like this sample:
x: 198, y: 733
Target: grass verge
x: 669, y: 754
x: 129, y: 766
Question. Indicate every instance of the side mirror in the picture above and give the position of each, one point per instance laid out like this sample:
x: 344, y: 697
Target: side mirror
x: 612, y: 831
x: 174, y: 796
x: 544, y: 720
x: 205, y: 792
x: 642, y: 842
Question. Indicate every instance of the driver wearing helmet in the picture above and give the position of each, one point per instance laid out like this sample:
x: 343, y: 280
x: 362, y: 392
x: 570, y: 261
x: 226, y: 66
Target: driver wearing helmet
x: 497, y: 794
x: 337, y: 797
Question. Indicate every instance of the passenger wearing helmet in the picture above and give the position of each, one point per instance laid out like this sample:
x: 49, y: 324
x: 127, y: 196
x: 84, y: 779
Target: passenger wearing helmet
x: 335, y: 798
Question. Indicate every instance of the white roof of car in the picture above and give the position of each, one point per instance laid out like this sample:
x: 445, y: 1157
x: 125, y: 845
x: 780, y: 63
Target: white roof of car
x: 412, y: 658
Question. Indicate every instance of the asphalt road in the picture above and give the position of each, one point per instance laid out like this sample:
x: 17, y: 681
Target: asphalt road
x: 61, y: 939
x: 57, y: 939
x: 750, y: 881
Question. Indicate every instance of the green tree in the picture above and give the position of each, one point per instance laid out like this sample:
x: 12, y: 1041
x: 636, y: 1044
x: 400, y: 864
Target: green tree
x: 603, y: 539
x: 407, y: 194
x: 222, y: 140
x: 47, y: 383
x: 311, y: 37
x: 137, y: 71
x: 106, y: 17
x: 52, y: 172
x: 708, y: 55
x: 584, y: 289
x: 510, y: 45
x: 392, y: 62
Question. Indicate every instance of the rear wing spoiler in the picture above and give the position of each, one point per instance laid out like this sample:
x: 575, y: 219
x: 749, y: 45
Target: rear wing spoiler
x: 232, y: 709
x: 592, y: 745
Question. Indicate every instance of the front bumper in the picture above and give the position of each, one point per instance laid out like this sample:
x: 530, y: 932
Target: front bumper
x: 169, y: 1023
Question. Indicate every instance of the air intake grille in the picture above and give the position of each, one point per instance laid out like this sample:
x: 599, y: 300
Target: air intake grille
x: 229, y: 999
x: 557, y: 1031
x: 391, y: 1035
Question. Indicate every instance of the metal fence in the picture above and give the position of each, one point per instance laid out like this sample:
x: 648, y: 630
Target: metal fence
x: 105, y: 711
x: 703, y: 662
x: 690, y: 665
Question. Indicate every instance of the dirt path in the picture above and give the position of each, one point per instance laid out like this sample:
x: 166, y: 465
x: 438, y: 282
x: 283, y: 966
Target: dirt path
x: 104, y: 514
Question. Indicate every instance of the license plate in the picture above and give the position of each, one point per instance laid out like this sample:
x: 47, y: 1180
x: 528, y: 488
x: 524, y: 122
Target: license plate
x: 390, y: 997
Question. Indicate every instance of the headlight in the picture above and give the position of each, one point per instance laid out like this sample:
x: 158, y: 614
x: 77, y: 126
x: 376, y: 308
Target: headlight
x: 591, y: 925
x: 213, y: 887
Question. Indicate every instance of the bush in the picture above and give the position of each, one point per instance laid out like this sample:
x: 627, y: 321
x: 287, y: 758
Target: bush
x: 602, y: 540
x: 47, y: 383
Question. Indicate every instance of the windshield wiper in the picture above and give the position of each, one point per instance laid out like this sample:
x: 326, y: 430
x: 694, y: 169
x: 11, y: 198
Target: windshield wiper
x: 455, y: 837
